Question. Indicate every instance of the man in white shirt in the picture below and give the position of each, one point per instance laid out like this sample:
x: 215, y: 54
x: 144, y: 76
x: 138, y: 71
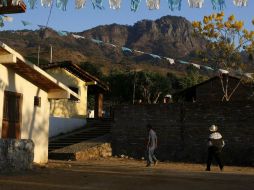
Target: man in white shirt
x: 151, y: 146
x: 215, y: 145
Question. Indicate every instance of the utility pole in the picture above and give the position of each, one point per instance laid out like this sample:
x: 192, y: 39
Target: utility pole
x: 39, y: 49
x: 134, y: 88
x: 51, y: 54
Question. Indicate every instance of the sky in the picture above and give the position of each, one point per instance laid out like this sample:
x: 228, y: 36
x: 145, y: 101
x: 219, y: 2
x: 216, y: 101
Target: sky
x: 77, y: 20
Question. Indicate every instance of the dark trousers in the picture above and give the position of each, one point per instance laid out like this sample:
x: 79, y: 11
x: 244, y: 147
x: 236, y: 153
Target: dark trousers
x: 213, y: 152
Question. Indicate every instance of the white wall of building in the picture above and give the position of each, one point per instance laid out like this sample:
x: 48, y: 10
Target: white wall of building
x: 35, y: 120
x: 60, y: 125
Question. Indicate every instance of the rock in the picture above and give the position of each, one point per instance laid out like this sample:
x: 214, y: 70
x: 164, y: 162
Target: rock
x: 16, y: 155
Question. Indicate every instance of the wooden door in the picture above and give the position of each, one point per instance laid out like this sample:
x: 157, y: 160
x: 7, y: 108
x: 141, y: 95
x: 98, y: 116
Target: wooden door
x: 12, y: 115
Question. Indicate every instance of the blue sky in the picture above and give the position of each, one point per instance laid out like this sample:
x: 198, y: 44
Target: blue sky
x: 74, y: 20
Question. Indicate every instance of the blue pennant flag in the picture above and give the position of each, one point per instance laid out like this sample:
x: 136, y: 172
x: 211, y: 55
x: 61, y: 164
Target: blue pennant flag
x: 175, y: 4
x: 155, y: 56
x: 208, y: 68
x: 25, y: 23
x: 32, y: 3
x: 97, y: 41
x: 135, y: 4
x: 218, y: 4
x: 183, y: 62
x: 62, y: 4
x: 97, y: 4
x: 62, y: 33
x: 1, y: 22
x: 126, y: 49
x: 4, y: 3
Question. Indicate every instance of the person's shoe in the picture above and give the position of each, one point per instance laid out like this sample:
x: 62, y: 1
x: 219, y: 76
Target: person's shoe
x: 207, y: 169
x: 221, y: 168
x: 155, y: 163
x: 148, y: 165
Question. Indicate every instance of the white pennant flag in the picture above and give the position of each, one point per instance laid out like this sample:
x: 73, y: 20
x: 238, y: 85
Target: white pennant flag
x: 171, y: 61
x: 7, y: 18
x: 80, y: 4
x: 240, y: 3
x: 153, y: 4
x: 196, y: 3
x: 115, y: 4
x: 46, y: 3
x: 77, y: 36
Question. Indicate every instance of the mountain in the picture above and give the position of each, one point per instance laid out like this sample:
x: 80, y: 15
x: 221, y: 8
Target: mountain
x: 168, y: 36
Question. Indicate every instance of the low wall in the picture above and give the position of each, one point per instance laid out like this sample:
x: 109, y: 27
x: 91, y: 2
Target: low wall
x: 182, y: 130
x: 16, y: 155
x: 58, y: 125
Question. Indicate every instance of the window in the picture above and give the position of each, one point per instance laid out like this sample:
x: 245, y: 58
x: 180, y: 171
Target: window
x: 37, y: 101
x: 76, y: 90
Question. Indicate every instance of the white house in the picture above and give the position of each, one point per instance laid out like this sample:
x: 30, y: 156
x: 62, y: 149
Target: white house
x: 68, y: 115
x: 25, y: 91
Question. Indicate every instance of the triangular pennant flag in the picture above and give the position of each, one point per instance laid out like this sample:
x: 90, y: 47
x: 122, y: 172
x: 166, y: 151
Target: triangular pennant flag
x: 15, y: 2
x: 1, y: 22
x: 25, y: 23
x: 183, y: 62
x: 155, y: 56
x: 62, y: 33
x: 80, y: 4
x: 135, y: 5
x: 97, y: 4
x: 62, y: 4
x: 115, y: 4
x: 171, y: 61
x: 126, y: 49
x: 32, y: 3
x: 46, y: 3
x: 195, y: 65
x: 7, y: 18
x: 153, y: 4
x: 78, y: 37
x: 97, y: 41
x: 218, y: 4
x: 208, y: 68
x: 248, y: 75
x: 141, y: 52
x: 175, y: 4
x: 196, y: 3
x: 222, y: 71
x: 240, y: 3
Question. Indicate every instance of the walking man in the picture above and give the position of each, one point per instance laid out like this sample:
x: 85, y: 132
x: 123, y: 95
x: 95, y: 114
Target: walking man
x: 151, y: 146
x: 215, y: 145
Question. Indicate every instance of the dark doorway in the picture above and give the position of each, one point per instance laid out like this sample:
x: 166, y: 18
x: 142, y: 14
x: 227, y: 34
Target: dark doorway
x: 12, y: 115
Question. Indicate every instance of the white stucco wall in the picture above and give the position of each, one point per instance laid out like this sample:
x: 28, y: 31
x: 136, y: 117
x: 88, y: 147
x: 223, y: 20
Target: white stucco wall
x: 60, y: 125
x: 35, y: 120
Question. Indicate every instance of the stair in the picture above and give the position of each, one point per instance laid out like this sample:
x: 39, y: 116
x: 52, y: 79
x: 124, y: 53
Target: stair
x: 94, y: 130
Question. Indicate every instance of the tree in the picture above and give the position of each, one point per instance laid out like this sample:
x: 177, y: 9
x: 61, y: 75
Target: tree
x: 226, y: 40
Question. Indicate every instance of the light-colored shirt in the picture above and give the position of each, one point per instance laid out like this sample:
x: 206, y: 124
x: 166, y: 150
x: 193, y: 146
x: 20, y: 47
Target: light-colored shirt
x: 215, y: 136
x: 152, y: 139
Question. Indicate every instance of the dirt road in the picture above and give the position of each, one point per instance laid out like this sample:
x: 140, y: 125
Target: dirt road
x: 117, y: 174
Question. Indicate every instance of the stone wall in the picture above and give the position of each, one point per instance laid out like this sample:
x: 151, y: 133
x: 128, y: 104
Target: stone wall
x: 182, y: 130
x: 16, y: 155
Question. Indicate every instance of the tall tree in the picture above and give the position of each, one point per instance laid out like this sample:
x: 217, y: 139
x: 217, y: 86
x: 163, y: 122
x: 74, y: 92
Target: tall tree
x: 226, y: 40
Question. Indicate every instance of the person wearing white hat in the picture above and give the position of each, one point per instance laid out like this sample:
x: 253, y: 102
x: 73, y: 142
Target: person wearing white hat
x: 215, y: 145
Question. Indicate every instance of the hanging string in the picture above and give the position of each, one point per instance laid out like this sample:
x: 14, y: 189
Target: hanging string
x: 174, y: 4
x: 62, y: 4
x: 135, y: 5
x: 115, y: 4
x: 153, y: 4
x: 80, y: 4
x: 196, y: 3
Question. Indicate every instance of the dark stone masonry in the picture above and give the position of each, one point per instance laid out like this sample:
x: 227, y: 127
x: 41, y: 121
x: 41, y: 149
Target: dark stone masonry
x: 182, y: 130
x: 16, y: 155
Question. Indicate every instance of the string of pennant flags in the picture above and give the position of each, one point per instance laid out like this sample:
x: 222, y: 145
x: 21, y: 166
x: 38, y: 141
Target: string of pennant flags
x: 134, y: 4
x: 171, y: 61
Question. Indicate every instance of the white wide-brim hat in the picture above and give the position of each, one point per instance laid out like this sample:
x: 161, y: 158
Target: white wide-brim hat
x: 213, y: 128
